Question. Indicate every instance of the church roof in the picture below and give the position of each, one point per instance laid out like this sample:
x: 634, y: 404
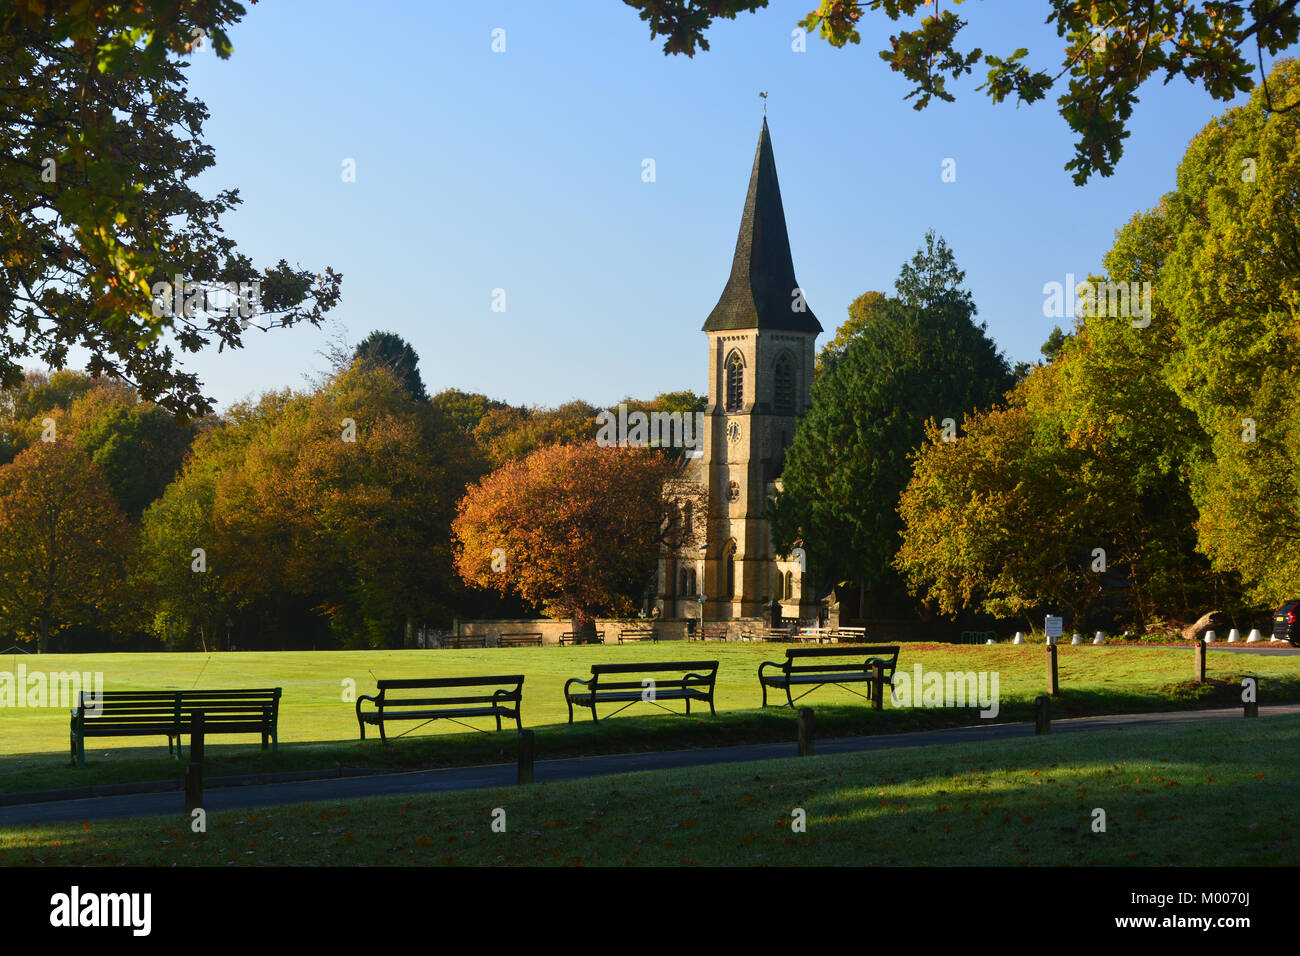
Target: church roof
x: 760, y: 292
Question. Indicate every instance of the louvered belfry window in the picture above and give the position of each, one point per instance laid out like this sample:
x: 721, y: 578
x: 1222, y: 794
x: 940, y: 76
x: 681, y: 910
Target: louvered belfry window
x: 735, y: 382
x: 784, y: 398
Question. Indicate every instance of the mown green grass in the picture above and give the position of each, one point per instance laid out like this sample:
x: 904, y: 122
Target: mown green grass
x: 318, y: 727
x: 1220, y: 793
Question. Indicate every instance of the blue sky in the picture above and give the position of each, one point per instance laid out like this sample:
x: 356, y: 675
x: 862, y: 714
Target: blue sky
x: 522, y: 170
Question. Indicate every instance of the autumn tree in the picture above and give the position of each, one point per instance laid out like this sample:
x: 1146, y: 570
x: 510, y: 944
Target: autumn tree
x: 1232, y: 284
x: 64, y: 545
x: 572, y: 529
x: 335, y: 504
x: 1111, y: 49
x: 103, y: 142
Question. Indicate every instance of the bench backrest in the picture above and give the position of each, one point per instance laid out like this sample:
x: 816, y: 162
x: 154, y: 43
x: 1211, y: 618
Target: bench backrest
x: 149, y: 708
x: 800, y: 659
x: 705, y: 672
x: 500, y: 683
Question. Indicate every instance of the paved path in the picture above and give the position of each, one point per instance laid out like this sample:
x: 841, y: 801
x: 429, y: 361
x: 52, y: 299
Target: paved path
x: 570, y: 768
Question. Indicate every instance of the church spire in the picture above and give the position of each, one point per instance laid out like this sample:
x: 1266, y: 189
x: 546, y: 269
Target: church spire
x: 760, y: 294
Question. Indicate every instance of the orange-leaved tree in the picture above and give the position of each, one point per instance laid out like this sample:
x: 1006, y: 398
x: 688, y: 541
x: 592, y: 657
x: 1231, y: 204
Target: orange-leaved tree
x: 574, y: 529
x: 64, y: 544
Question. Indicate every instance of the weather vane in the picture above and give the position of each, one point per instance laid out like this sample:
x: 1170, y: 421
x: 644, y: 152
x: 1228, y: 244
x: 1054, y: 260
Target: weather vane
x: 764, y: 96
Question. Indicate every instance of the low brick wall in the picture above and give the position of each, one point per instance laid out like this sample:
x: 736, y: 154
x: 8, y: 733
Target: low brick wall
x: 551, y: 630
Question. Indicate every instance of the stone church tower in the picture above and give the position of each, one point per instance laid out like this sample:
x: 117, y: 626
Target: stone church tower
x: 720, y: 563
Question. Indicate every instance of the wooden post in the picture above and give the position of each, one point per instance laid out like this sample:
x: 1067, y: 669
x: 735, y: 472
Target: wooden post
x: 194, y: 769
x: 1200, y: 661
x: 527, y: 753
x: 1042, y: 715
x: 877, y: 685
x: 805, y: 732
x: 1053, y: 686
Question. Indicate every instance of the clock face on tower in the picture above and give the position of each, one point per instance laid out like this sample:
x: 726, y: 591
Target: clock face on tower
x: 733, y: 432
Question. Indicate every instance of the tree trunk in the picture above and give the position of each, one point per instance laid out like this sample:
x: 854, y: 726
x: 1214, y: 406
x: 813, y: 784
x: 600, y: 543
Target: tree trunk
x: 584, y: 629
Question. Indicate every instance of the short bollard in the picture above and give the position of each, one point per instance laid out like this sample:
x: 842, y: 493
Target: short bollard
x: 1053, y: 687
x: 1042, y: 715
x: 1250, y: 696
x: 1200, y: 662
x: 805, y: 732
x: 194, y: 769
x: 527, y: 753
x: 877, y: 685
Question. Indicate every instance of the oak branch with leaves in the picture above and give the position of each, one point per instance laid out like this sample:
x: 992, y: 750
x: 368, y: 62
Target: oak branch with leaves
x: 1112, y: 47
x: 102, y: 142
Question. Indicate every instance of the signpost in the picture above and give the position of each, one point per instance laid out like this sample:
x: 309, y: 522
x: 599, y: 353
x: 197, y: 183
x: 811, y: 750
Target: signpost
x: 1052, y: 627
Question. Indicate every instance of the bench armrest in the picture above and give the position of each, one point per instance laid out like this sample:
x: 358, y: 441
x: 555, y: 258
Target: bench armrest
x: 575, y: 680
x: 768, y: 664
x: 373, y: 700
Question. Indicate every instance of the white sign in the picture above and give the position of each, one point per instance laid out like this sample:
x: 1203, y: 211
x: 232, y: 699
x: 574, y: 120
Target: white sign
x: 1052, y: 626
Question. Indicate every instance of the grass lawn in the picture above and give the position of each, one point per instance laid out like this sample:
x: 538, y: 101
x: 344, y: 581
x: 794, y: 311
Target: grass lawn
x: 318, y: 727
x: 1221, y: 793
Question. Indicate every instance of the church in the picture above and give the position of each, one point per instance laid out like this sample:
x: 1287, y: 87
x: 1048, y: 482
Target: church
x: 719, y: 563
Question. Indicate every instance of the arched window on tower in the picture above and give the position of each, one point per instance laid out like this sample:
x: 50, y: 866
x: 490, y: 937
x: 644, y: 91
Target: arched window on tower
x: 690, y: 584
x: 735, y: 382
x: 684, y: 589
x: 783, y: 399
x: 789, y: 585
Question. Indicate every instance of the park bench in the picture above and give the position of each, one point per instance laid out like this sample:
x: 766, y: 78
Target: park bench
x: 631, y: 683
x: 569, y: 637
x: 814, y: 635
x: 710, y: 632
x: 814, y: 667
x: 850, y: 634
x: 977, y: 637
x: 152, y: 713
x: 464, y: 640
x: 638, y: 632
x: 393, y: 702
x: 520, y: 639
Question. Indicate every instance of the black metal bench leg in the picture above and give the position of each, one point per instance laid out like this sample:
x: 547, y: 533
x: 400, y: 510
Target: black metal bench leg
x: 383, y: 738
x: 570, y: 703
x: 787, y: 694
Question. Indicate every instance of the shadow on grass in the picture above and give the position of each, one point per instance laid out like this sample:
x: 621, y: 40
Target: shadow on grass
x: 630, y: 733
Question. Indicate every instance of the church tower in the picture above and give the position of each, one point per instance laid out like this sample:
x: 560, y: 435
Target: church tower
x: 761, y: 338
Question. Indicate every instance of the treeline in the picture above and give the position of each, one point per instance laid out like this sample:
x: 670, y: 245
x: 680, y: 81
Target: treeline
x: 313, y: 518
x: 1147, y: 472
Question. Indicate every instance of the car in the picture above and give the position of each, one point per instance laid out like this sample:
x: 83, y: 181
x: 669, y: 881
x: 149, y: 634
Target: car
x: 1286, y: 623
